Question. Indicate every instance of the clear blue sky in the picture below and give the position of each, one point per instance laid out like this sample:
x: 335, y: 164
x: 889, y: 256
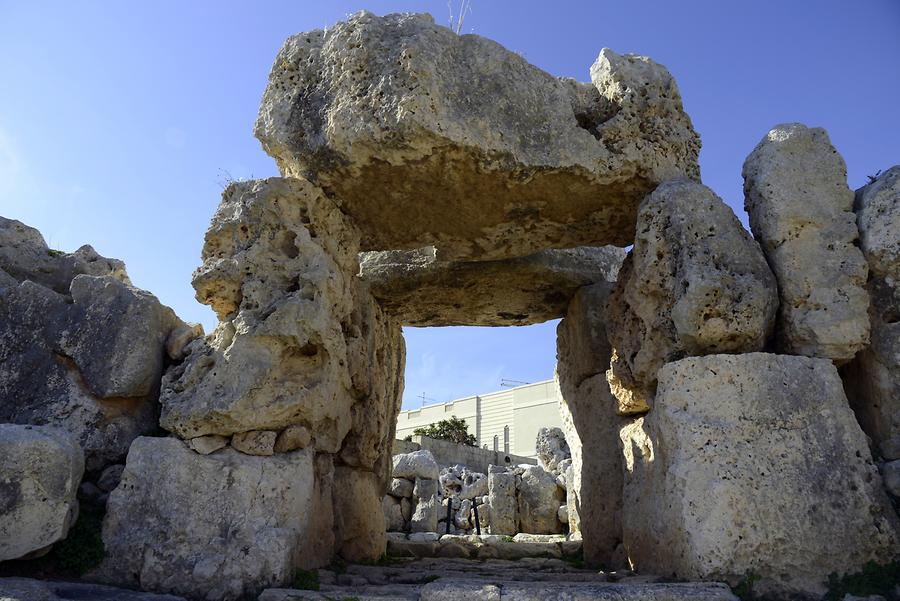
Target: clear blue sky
x: 119, y: 120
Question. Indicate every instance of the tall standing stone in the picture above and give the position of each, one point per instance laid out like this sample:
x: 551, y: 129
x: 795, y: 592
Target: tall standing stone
x: 591, y: 425
x: 425, y: 514
x: 502, y: 499
x: 872, y: 380
x: 801, y: 211
x: 755, y: 464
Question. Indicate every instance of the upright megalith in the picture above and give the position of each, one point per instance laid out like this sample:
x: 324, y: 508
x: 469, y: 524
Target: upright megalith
x: 300, y: 340
x: 80, y: 347
x: 695, y: 283
x: 220, y: 526
x: 872, y: 379
x: 801, y: 211
x: 591, y: 426
x: 426, y: 138
x: 753, y: 464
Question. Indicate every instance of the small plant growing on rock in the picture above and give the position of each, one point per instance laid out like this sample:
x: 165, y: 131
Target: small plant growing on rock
x: 874, y: 579
x: 306, y: 580
x: 82, y: 550
x: 744, y: 589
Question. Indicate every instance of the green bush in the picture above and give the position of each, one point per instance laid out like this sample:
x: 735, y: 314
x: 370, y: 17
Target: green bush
x: 874, y: 579
x: 744, y: 589
x: 306, y: 580
x: 453, y: 429
x: 82, y: 549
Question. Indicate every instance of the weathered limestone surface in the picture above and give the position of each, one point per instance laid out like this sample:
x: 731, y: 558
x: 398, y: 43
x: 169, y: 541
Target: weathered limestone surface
x: 418, y: 289
x: 552, y: 449
x: 753, y: 463
x: 588, y: 409
x: 539, y: 499
x: 24, y: 255
x: 425, y: 512
x: 502, y: 499
x: 376, y: 110
x: 358, y: 516
x: 695, y: 283
x: 86, y: 353
x: 216, y: 526
x: 40, y: 470
x: 800, y: 208
x: 872, y: 379
x: 300, y: 341
x: 26, y: 589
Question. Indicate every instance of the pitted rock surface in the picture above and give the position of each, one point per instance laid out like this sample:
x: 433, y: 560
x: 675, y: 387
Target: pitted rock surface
x: 739, y: 451
x: 695, y: 283
x: 376, y: 110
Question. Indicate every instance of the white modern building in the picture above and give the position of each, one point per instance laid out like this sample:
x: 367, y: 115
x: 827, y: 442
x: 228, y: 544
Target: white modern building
x: 507, y: 420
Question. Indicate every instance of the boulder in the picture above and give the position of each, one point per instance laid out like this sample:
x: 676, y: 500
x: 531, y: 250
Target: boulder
x: 292, y: 438
x: 552, y: 449
x: 502, y: 500
x: 428, y: 504
x: 88, y: 359
x: 591, y: 425
x: 872, y: 379
x: 539, y: 498
x: 695, y: 283
x: 416, y: 465
x: 401, y: 487
x: 255, y: 442
x: 207, y: 444
x: 24, y: 255
x: 384, y: 107
x: 40, y: 470
x: 393, y: 516
x: 800, y: 209
x: 753, y: 464
x: 300, y: 341
x: 418, y: 289
x: 219, y: 526
x: 891, y: 474
x: 358, y: 515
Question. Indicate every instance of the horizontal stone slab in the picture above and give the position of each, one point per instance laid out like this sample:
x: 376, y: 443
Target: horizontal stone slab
x: 427, y: 137
x: 27, y: 589
x: 417, y: 288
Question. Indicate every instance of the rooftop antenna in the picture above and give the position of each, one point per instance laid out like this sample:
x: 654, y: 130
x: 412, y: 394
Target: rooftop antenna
x: 424, y: 398
x: 511, y: 383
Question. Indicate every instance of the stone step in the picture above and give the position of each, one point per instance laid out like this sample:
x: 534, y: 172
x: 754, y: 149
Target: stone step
x: 28, y: 589
x: 442, y: 590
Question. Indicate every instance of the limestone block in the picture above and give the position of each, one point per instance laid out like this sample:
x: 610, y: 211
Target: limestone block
x: 401, y: 487
x: 406, y: 509
x: 551, y: 448
x: 40, y: 470
x: 425, y: 514
x: 800, y: 209
x: 416, y: 465
x: 207, y: 444
x: 502, y: 499
x: 358, y: 516
x: 24, y: 255
x: 419, y: 289
x: 877, y: 207
x: 384, y: 107
x: 696, y: 283
x: 891, y: 474
x: 740, y: 450
x: 393, y: 516
x: 539, y: 498
x: 300, y: 340
x: 255, y: 442
x: 219, y: 526
x: 588, y: 411
x: 88, y: 360
x: 292, y: 438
